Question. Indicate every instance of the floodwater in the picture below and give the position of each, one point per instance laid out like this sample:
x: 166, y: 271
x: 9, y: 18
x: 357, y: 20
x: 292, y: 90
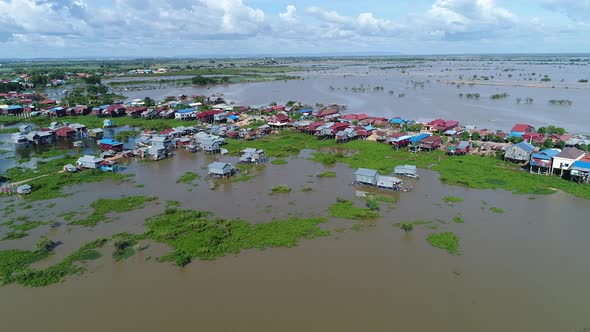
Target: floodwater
x: 423, y: 91
x: 522, y: 270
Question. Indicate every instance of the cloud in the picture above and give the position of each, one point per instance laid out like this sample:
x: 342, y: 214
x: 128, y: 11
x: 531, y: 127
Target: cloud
x: 467, y: 19
x: 577, y: 10
x: 336, y: 25
x: 290, y: 16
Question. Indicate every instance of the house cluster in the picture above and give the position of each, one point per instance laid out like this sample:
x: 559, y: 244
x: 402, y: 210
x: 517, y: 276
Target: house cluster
x: 570, y: 162
x: 28, y: 136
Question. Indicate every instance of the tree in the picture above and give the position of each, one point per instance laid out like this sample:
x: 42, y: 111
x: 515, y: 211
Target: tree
x: 465, y: 136
x: 92, y: 79
x: 548, y: 143
x: 475, y: 136
x: 406, y: 226
x: 542, y: 130
x: 149, y: 102
x: 560, y: 144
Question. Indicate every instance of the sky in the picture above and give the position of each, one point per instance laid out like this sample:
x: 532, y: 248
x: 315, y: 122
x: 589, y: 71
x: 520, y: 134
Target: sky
x: 201, y: 28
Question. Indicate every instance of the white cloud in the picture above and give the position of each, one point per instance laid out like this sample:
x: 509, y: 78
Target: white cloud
x: 340, y: 26
x: 290, y: 16
x: 468, y: 19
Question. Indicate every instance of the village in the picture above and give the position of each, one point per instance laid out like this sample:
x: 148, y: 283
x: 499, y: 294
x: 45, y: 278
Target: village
x: 210, y: 121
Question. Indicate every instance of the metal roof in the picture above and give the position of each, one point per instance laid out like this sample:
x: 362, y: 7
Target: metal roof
x: 109, y: 141
x: 525, y: 146
x: 546, y: 154
x: 218, y: 164
x: 366, y: 172
x: 581, y: 165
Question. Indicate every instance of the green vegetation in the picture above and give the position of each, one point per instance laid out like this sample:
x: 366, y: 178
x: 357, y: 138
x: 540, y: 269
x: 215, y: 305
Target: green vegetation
x: 188, y: 177
x: 282, y: 189
x: 446, y: 240
x: 51, y: 186
x: 279, y: 162
x: 458, y: 219
x: 125, y: 135
x: 496, y: 210
x: 196, y: 234
x: 407, y: 227
x: 499, y: 96
x: 385, y: 199
x: 103, y: 206
x: 345, y: 209
x: 20, y: 229
x: 306, y: 189
x: 452, y: 199
x: 562, y: 102
x: 15, y: 264
x: 328, y: 174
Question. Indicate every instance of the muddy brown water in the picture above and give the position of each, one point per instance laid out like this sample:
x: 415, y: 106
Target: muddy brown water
x: 522, y: 270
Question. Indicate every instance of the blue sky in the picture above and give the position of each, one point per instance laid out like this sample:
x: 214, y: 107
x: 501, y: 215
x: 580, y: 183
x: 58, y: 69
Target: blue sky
x: 144, y: 28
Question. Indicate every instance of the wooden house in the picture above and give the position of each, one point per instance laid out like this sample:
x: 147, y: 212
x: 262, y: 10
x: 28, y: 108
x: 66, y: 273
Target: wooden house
x: 541, y: 161
x: 251, y: 155
x: 520, y: 152
x: 580, y: 170
x: 186, y: 114
x: 279, y: 120
x: 400, y: 142
x: 162, y: 142
x: 416, y: 140
x: 65, y: 133
x: 366, y: 176
x: 111, y: 144
x: 440, y: 125
x: 431, y: 143
x: 96, y: 133
x: 156, y: 153
x: 563, y: 161
x: 406, y: 170
x: 461, y: 149
x: 90, y: 162
x: 388, y: 182
x: 219, y: 169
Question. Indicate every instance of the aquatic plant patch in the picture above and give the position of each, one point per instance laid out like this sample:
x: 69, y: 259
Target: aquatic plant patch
x: 327, y: 174
x: 188, y: 177
x: 197, y: 234
x: 15, y: 264
x: 282, y: 189
x: 447, y: 241
x: 103, y: 206
x: 347, y: 210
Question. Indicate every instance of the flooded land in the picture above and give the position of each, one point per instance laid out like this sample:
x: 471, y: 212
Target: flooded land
x: 522, y: 259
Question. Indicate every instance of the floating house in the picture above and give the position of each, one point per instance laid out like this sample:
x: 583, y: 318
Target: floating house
x: 366, y: 176
x: 520, y: 152
x: 564, y: 160
x: 25, y: 129
x: 90, y: 162
x: 520, y: 129
x: 111, y: 144
x: 65, y: 132
x: 251, y: 155
x: 96, y: 133
x: 541, y: 161
x: 109, y: 166
x: 219, y: 169
x: 388, y: 182
x: 406, y: 170
x: 162, y: 142
x: 372, y: 177
x: 156, y: 153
